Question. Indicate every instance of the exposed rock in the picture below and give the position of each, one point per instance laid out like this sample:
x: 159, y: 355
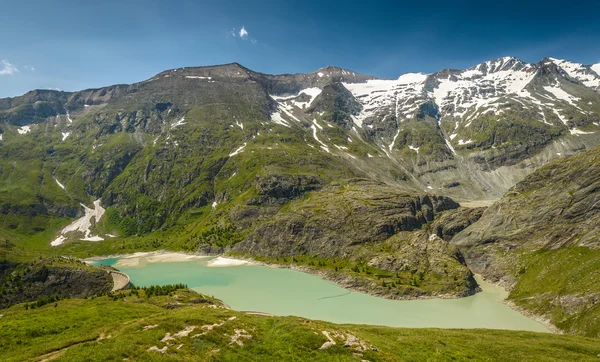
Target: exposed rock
x: 279, y: 189
x: 160, y: 350
x: 454, y: 221
x: 542, y: 229
x: 37, y: 279
x: 343, y: 216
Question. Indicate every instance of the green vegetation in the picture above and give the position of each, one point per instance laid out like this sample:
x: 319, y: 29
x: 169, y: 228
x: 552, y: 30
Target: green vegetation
x: 199, y: 328
x: 542, y: 236
x: 158, y: 290
x: 561, y: 284
x: 161, y: 157
x: 44, y: 279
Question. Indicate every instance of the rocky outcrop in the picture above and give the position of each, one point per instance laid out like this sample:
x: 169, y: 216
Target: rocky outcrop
x: 454, y: 221
x: 541, y: 241
x: 556, y: 206
x: 343, y: 216
x: 371, y: 226
x: 337, y: 104
x: 279, y: 189
x: 58, y: 277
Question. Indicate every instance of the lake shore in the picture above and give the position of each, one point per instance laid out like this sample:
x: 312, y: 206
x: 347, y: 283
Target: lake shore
x: 352, y: 283
x: 343, y: 281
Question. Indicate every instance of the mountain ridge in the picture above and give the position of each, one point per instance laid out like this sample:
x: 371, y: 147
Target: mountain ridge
x: 226, y: 160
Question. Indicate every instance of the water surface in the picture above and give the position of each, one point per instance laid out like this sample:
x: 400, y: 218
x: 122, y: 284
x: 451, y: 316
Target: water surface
x: 289, y: 292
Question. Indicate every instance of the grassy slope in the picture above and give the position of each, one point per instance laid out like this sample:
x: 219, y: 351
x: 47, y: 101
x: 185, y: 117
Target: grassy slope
x: 562, y: 284
x: 542, y: 236
x: 93, y: 334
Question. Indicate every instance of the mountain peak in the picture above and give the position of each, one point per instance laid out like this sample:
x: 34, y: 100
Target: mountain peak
x: 331, y: 70
x: 585, y: 74
x: 498, y: 65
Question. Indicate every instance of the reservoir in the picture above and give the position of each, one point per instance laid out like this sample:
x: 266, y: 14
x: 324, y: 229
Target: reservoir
x: 284, y: 292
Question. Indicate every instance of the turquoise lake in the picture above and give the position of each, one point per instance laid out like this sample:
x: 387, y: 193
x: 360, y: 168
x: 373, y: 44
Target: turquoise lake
x: 289, y: 292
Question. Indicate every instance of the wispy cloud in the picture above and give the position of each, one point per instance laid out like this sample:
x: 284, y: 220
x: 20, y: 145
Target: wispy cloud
x: 244, y: 33
x: 7, y: 69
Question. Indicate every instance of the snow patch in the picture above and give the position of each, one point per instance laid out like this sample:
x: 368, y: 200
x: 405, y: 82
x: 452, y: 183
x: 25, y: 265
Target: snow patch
x: 58, y: 241
x: 416, y: 149
x: 378, y: 96
x: 562, y: 119
x: 580, y: 72
x: 559, y: 93
x: 58, y: 183
x: 197, y: 77
x: 238, y: 150
x: 83, y: 224
x: 65, y: 135
x: 178, y: 123
x: 323, y: 145
x: 24, y: 129
x: 276, y: 117
x: 312, y: 93
x: 576, y: 131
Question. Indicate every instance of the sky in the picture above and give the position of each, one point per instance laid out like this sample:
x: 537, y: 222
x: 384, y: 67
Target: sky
x: 72, y: 45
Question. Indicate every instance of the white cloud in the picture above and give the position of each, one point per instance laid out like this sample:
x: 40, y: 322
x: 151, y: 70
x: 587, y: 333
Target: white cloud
x: 7, y: 69
x: 243, y: 33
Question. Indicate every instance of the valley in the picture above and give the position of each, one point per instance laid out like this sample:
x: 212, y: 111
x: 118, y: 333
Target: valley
x: 405, y: 191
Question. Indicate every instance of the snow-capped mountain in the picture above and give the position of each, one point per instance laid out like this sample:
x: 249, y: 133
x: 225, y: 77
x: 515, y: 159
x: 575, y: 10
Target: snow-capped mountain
x: 483, y: 128
x: 586, y: 74
x: 553, y: 97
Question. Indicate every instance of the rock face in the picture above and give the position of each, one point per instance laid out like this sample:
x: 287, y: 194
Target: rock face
x: 331, y: 164
x: 556, y: 206
x: 372, y: 224
x: 542, y: 241
x: 30, y: 281
x: 280, y: 189
x: 338, y: 217
x: 452, y: 222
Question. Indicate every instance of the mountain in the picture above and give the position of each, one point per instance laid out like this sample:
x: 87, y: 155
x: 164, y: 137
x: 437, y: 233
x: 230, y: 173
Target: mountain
x: 542, y: 241
x: 348, y: 172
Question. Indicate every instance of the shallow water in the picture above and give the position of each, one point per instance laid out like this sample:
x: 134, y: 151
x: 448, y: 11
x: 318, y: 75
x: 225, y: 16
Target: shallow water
x: 289, y: 292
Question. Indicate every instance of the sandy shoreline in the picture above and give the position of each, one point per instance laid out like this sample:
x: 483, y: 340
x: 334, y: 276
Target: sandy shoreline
x: 140, y: 259
x: 540, y: 319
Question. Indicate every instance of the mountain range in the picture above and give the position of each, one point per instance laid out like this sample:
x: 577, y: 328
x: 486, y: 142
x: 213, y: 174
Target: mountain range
x: 361, y: 176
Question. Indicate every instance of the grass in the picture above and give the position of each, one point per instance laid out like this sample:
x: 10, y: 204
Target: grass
x: 112, y: 328
x: 546, y: 286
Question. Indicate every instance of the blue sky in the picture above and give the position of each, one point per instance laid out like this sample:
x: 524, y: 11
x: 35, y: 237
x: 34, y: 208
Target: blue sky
x: 72, y: 45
